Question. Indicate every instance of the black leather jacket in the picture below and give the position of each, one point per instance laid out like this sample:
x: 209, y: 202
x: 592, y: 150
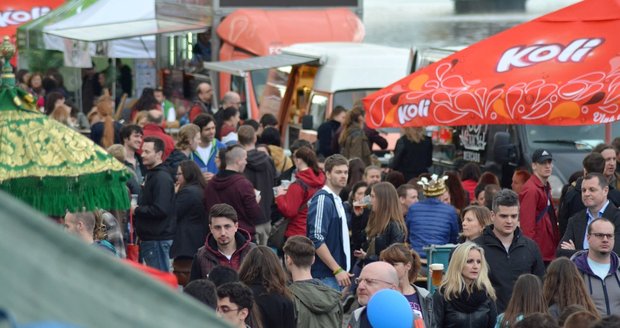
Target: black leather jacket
x: 445, y: 315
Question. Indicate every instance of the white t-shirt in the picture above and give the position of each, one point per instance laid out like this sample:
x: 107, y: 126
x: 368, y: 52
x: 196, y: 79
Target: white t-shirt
x: 599, y: 269
x: 204, y: 153
x: 345, y: 228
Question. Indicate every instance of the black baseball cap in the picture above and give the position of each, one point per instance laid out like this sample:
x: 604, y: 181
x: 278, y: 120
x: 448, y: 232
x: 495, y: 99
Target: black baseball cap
x: 541, y: 155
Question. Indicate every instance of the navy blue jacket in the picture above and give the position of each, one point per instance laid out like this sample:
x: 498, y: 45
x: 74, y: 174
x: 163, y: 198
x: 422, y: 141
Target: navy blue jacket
x: 431, y: 222
x: 324, y: 226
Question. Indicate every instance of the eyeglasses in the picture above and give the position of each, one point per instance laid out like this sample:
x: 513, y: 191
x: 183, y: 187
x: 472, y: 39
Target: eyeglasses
x: 603, y: 235
x: 225, y: 309
x: 371, y: 282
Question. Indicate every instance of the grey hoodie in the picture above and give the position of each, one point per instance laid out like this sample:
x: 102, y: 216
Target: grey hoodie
x: 604, y: 293
x: 316, y: 304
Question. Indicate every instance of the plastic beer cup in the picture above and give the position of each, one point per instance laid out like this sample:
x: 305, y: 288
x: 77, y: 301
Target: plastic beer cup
x: 436, y: 273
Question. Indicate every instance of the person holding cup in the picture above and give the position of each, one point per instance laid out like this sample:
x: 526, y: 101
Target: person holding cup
x: 465, y: 297
x: 292, y: 198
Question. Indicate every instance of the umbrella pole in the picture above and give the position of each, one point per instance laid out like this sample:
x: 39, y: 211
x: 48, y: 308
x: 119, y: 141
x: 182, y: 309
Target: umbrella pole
x: 608, y: 133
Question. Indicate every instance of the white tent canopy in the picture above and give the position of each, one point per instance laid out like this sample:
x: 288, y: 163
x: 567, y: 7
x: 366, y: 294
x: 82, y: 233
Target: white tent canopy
x: 121, y: 19
x: 122, y: 28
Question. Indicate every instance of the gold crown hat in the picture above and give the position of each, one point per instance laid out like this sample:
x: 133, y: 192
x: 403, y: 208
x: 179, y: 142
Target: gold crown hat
x: 434, y: 187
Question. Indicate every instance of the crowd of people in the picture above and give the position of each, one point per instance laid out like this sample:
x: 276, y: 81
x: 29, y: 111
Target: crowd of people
x: 270, y: 240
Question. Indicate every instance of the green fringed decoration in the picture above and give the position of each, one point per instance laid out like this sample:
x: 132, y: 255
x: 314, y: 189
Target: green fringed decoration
x: 55, y: 195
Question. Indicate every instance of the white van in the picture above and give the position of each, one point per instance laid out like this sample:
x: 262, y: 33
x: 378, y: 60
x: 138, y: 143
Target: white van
x: 313, y: 78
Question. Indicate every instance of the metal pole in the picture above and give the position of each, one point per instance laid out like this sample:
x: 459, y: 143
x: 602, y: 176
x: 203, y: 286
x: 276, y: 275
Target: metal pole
x: 608, y: 133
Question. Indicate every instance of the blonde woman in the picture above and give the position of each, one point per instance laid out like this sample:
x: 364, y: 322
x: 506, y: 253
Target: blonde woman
x: 465, y: 297
x: 413, y: 153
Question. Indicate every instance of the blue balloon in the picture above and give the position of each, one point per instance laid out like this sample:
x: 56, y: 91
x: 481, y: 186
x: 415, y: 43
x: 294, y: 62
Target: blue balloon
x: 389, y: 309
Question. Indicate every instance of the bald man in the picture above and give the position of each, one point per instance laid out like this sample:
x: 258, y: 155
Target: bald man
x: 374, y: 277
x: 231, y: 99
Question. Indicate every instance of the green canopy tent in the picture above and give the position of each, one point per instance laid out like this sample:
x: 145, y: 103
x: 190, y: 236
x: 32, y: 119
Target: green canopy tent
x: 47, y: 274
x: 48, y: 165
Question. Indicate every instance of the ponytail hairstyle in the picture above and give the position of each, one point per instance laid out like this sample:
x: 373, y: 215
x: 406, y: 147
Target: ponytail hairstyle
x: 309, y: 157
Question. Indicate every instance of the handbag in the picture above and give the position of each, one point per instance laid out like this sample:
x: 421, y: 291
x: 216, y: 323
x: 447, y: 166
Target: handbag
x: 276, y: 236
x: 132, y: 248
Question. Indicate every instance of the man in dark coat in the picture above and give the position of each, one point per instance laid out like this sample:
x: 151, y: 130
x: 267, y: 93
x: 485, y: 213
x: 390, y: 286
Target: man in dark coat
x: 261, y: 172
x: 508, y: 252
x: 230, y: 186
x: 227, y: 244
x: 154, y: 214
x: 594, y: 196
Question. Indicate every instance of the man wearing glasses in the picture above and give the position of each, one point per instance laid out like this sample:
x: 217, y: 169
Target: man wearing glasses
x: 234, y: 303
x: 594, y: 191
x: 599, y: 267
x: 374, y: 277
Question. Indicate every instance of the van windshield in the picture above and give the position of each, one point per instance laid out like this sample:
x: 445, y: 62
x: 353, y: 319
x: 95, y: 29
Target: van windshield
x: 269, y: 87
x: 583, y: 137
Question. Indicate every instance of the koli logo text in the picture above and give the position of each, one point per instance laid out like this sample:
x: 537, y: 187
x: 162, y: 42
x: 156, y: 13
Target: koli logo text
x: 17, y: 17
x: 524, y: 56
x: 407, y: 112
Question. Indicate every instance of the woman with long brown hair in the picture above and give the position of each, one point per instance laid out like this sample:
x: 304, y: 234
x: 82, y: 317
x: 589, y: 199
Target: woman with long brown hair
x: 458, y: 196
x: 386, y: 224
x: 191, y: 226
x: 527, y: 298
x: 563, y: 286
x: 106, y: 132
x: 353, y: 141
x: 262, y: 272
x: 413, y: 153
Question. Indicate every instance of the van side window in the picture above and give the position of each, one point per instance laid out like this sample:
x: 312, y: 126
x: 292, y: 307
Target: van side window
x: 318, y: 106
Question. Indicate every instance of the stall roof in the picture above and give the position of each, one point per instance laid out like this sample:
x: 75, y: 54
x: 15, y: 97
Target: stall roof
x: 99, y: 20
x: 240, y: 67
x: 121, y: 19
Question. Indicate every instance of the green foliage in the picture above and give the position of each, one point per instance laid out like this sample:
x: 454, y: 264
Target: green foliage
x: 42, y: 60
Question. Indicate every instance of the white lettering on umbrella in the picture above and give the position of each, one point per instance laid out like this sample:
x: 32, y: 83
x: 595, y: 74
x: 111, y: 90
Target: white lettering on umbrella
x: 519, y: 57
x: 407, y: 112
x: 17, y: 17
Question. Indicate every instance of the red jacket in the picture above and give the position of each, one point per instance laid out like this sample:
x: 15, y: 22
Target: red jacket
x: 291, y: 203
x: 533, y: 201
x: 152, y: 130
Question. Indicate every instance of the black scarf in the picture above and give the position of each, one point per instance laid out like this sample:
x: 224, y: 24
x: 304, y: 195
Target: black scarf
x: 468, y: 303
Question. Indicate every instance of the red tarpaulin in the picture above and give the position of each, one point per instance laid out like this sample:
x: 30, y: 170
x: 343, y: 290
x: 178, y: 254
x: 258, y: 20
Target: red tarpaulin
x: 560, y: 69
